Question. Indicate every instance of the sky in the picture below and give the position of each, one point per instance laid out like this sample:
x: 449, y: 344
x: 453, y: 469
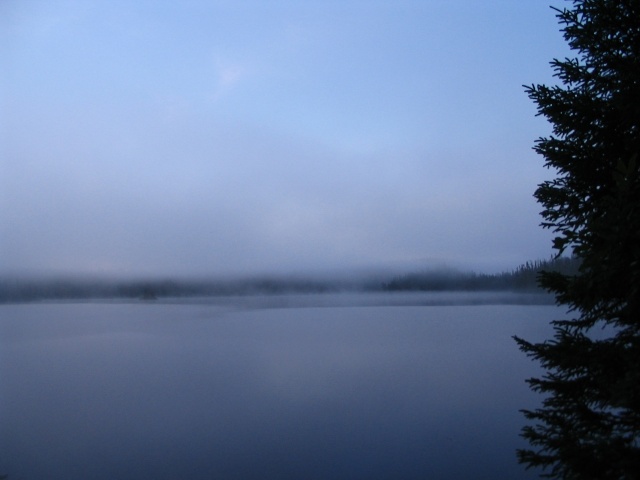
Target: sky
x: 220, y: 137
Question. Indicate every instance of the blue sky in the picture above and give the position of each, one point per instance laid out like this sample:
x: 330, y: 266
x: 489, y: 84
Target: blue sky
x: 239, y: 137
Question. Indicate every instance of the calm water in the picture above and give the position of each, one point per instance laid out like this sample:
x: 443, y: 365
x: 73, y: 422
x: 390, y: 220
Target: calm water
x: 307, y: 387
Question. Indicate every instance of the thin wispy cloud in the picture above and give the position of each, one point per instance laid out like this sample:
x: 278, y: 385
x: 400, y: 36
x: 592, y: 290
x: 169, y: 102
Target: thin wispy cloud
x: 228, y: 76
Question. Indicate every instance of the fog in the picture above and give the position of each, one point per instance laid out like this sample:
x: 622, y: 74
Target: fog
x: 232, y: 138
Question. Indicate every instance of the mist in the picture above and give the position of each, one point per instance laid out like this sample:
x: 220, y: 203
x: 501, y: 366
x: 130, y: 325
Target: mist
x: 147, y: 140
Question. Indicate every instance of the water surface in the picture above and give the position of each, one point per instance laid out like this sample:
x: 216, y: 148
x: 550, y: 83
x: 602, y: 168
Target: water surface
x: 291, y: 387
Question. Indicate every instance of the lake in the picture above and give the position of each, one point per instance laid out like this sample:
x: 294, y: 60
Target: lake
x: 341, y: 386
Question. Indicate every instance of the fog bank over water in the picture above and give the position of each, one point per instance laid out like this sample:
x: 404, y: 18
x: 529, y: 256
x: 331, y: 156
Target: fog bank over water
x: 180, y: 139
x: 520, y: 280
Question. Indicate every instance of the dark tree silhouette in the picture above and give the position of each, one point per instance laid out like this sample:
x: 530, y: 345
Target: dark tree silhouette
x: 589, y: 423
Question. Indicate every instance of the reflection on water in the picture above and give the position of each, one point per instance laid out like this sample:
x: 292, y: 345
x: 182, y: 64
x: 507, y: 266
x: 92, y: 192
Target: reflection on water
x: 232, y: 390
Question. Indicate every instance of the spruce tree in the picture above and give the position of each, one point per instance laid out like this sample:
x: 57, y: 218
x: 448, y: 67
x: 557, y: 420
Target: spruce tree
x: 588, y: 425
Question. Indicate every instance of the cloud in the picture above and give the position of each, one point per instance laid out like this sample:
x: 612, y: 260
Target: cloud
x: 227, y: 77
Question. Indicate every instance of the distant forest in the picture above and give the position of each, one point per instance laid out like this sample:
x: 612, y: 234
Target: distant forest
x: 523, y: 278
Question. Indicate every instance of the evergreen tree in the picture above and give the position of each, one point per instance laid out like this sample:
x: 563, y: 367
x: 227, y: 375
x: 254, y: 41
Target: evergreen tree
x: 588, y: 426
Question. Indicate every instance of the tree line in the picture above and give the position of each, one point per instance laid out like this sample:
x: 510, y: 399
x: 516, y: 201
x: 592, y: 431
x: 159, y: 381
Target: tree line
x: 523, y: 278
